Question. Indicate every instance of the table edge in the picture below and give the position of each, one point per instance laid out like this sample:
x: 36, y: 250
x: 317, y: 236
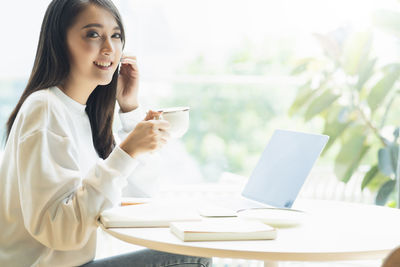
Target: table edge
x: 251, y: 255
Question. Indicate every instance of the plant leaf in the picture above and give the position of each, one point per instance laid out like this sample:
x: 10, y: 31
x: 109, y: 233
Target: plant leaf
x: 384, y: 161
x: 369, y: 176
x: 396, y: 133
x: 334, y: 131
x: 319, y: 104
x: 304, y: 95
x: 384, y: 192
x: 356, y: 51
x: 351, y: 154
x: 365, y: 72
x: 301, y: 66
x: 382, y: 88
x: 377, y: 182
x: 336, y: 122
x: 387, y: 159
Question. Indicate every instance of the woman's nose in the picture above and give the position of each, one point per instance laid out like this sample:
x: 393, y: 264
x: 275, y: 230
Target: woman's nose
x: 107, y: 47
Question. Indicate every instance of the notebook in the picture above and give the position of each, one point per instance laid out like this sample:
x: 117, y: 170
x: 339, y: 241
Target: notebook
x: 148, y: 215
x: 277, y: 178
x: 222, y: 229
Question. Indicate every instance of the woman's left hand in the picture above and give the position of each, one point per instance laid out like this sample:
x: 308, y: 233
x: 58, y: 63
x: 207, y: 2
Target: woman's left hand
x: 128, y: 84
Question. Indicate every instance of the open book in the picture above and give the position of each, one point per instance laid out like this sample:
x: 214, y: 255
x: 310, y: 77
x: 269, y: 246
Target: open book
x: 147, y: 215
x: 222, y: 229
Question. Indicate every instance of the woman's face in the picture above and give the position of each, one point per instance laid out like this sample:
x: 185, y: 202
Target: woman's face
x: 95, y: 46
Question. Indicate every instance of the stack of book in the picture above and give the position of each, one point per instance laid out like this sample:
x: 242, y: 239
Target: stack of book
x: 186, y: 223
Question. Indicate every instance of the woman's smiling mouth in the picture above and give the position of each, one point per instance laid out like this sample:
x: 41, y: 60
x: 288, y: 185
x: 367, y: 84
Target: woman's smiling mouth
x: 102, y: 65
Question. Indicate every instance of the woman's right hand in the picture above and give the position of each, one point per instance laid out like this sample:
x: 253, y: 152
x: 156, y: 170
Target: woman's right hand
x: 148, y: 135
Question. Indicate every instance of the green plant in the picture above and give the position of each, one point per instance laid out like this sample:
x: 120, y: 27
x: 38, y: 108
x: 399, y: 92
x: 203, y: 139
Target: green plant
x: 355, y: 95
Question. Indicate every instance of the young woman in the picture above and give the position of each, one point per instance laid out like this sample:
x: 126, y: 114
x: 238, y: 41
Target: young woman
x: 61, y: 165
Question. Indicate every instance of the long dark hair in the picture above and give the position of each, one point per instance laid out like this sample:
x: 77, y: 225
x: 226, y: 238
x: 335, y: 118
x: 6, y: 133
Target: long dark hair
x: 51, y: 68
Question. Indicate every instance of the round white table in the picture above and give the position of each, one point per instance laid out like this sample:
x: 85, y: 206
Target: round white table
x: 333, y: 231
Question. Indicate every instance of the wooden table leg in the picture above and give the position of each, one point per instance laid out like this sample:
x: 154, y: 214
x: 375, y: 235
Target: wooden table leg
x: 271, y: 264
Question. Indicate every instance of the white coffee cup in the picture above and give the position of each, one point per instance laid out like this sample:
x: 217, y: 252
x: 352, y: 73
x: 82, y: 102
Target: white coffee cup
x: 178, y: 117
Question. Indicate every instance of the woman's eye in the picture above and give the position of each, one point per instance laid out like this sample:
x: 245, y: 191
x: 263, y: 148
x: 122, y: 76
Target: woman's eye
x: 92, y: 34
x: 117, y: 35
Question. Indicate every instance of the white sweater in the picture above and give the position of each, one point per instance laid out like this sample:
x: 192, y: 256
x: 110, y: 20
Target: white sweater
x: 53, y: 185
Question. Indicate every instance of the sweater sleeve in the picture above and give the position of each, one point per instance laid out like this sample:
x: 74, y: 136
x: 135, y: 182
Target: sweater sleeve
x: 59, y: 206
x: 144, y: 181
x: 129, y: 120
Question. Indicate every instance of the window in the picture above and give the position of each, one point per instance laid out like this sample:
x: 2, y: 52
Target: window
x: 230, y: 61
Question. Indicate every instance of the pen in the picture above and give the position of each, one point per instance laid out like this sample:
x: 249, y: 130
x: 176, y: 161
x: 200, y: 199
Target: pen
x: 127, y: 203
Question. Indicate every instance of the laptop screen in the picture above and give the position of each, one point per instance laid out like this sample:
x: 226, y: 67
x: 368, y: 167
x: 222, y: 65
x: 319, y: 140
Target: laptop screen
x: 283, y: 167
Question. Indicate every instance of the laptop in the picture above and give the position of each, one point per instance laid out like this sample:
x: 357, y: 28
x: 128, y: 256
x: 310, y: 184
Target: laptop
x: 278, y: 176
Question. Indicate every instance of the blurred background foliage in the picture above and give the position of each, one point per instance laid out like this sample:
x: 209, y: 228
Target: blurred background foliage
x: 356, y: 95
x: 230, y: 121
x: 243, y: 78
